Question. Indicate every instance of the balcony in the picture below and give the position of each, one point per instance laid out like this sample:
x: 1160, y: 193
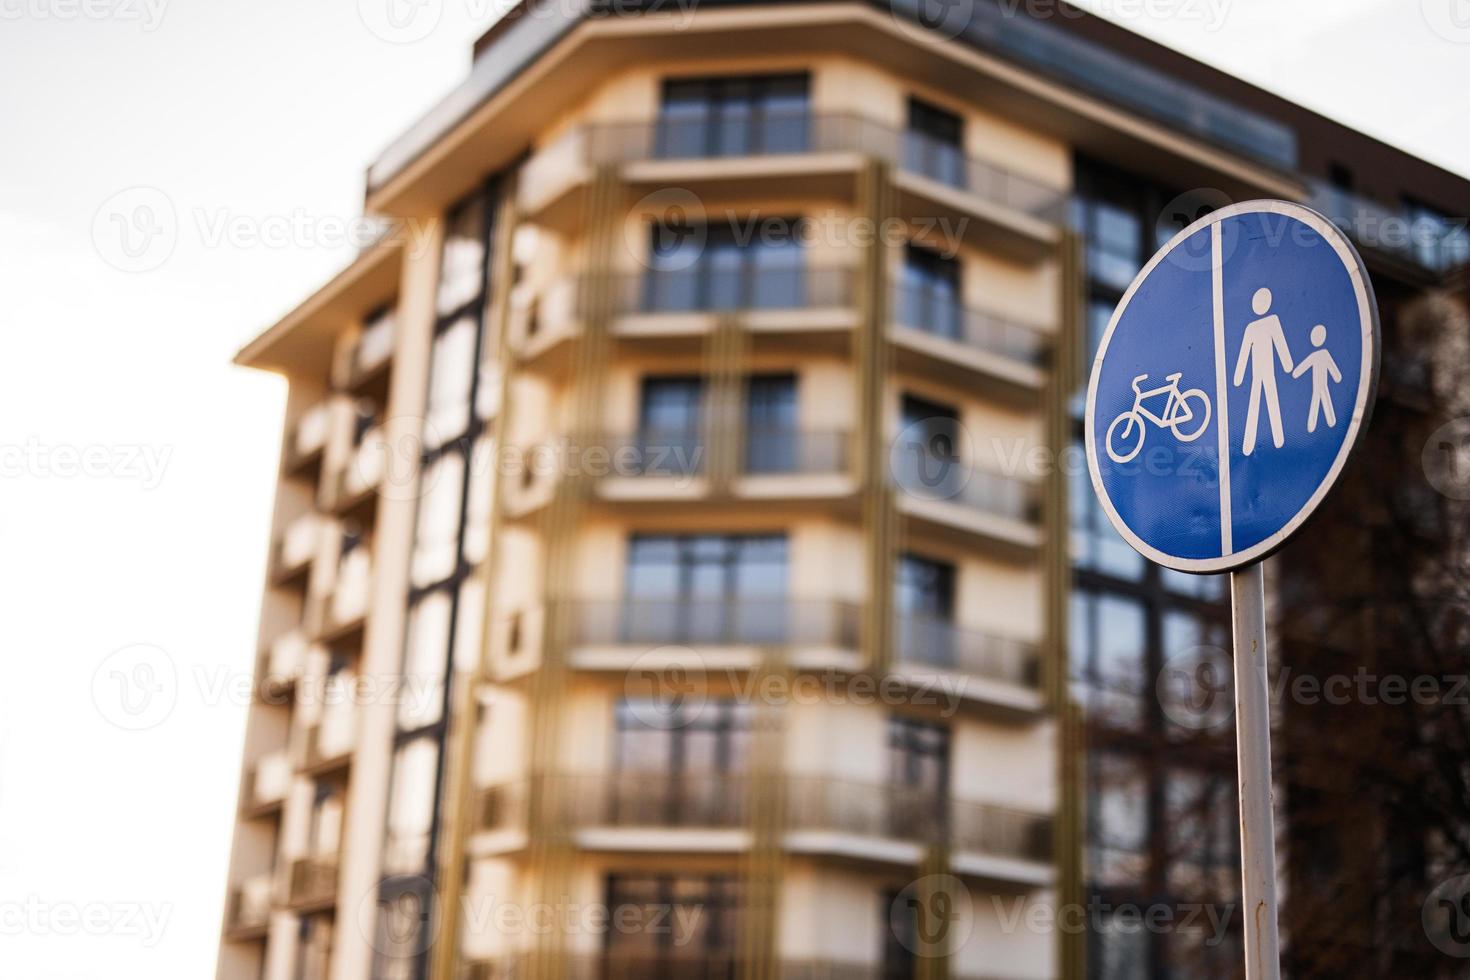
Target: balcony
x: 355, y: 483
x: 800, y: 153
x: 1430, y: 247
x: 626, y: 800
x: 331, y: 741
x: 367, y: 364
x: 644, y: 964
x: 343, y: 610
x: 708, y: 811
x: 933, y: 331
x: 249, y: 911
x: 796, y: 301
x: 284, y: 663
x: 312, y: 884
x: 307, y: 440
x: 639, y: 624
x: 932, y: 642
x: 850, y: 818
x: 294, y: 549
x: 266, y: 784
x: 945, y: 495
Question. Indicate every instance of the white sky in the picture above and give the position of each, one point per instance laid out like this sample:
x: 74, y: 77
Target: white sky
x: 266, y: 114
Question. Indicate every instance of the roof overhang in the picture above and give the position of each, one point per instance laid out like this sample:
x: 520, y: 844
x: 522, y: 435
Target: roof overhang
x: 302, y: 341
x: 545, y: 71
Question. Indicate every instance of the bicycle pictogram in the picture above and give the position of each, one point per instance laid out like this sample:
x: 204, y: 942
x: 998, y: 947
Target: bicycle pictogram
x: 1178, y: 413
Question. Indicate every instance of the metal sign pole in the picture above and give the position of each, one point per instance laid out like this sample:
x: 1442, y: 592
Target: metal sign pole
x: 1253, y: 748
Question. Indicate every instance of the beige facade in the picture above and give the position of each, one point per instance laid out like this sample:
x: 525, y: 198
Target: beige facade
x: 553, y: 655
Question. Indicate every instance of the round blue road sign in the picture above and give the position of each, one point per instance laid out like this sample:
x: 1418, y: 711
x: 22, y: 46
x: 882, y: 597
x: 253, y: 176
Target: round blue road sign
x: 1231, y: 386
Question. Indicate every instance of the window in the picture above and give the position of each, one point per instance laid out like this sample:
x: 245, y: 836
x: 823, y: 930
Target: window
x: 680, y: 763
x: 721, y: 117
x: 705, y: 588
x: 706, y: 909
x: 918, y: 777
x: 670, y: 415
x: 314, y: 947
x: 725, y: 267
x: 770, y: 424
x: 924, y: 587
x: 929, y: 293
x: 1438, y: 242
x: 900, y: 931
x: 928, y: 460
x: 934, y: 143
x: 411, y: 807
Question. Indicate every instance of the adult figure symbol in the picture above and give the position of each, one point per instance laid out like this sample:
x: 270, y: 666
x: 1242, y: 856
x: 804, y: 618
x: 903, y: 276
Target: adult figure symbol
x: 1264, y: 342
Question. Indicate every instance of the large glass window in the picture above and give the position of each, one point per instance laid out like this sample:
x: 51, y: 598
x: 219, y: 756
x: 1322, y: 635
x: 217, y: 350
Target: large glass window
x: 724, y: 267
x: 934, y: 143
x: 1438, y: 241
x: 929, y: 293
x: 928, y: 460
x: 670, y: 414
x: 771, y: 436
x: 705, y: 588
x: 740, y: 116
x: 707, y: 910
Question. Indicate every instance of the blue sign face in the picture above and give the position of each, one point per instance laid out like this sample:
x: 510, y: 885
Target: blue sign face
x: 1231, y: 386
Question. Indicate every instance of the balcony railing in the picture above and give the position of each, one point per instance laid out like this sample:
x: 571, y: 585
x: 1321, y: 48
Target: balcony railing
x: 720, y: 800
x: 626, y: 799
x: 933, y: 313
x: 331, y: 740
x: 939, y: 643
x: 1422, y: 242
x: 308, y: 437
x: 803, y: 132
x: 778, y: 450
x: 250, y: 905
x: 268, y: 782
x: 372, y: 351
x: 717, y: 622
x: 295, y: 548
x: 701, y: 288
x: 285, y: 662
x: 312, y: 883
x: 926, y: 476
x: 912, y: 813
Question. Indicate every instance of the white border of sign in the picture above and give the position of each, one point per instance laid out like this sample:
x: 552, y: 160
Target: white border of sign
x: 1362, y: 408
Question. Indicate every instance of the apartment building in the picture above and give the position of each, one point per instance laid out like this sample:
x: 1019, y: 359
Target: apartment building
x: 676, y: 570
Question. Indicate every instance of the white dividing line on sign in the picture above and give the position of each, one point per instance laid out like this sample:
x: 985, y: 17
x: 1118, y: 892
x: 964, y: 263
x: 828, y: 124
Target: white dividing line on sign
x: 1222, y: 393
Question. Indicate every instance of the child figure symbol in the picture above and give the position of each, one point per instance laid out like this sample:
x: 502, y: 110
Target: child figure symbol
x: 1322, y: 365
